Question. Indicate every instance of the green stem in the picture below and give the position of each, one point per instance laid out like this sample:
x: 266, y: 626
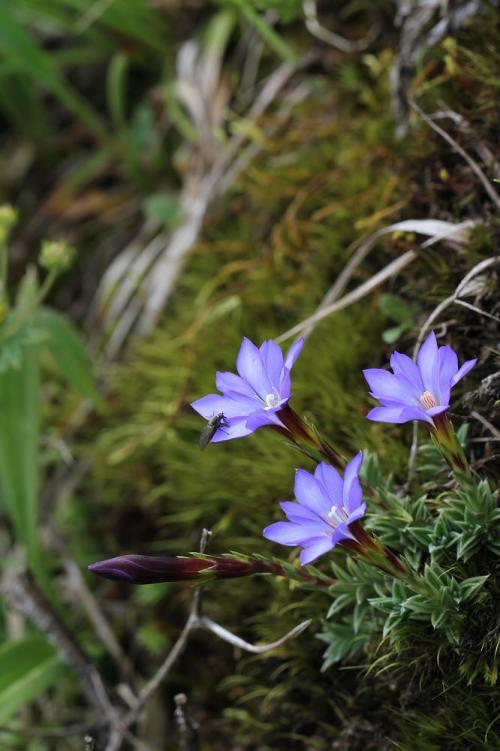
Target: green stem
x: 40, y: 297
x: 297, y: 430
x: 446, y: 441
x: 269, y: 35
x: 3, y: 271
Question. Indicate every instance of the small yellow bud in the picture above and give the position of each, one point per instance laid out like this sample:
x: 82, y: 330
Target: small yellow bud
x: 444, y: 174
x: 56, y: 256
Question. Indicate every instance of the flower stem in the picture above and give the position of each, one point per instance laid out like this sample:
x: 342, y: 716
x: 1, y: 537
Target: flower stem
x: 300, y: 432
x: 446, y: 441
x: 372, y: 550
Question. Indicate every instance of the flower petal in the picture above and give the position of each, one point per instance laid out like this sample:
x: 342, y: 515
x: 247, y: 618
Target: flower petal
x: 436, y: 410
x: 272, y: 358
x: 463, y: 371
x: 262, y: 417
x: 226, y: 381
x: 404, y: 366
x: 385, y: 385
x: 288, y: 533
x: 428, y: 363
x: 351, y: 496
x: 310, y: 493
x: 297, y: 513
x: 331, y: 481
x: 318, y: 547
x: 251, y: 368
x: 342, y: 532
x: 214, y: 404
x: 285, y: 385
x: 397, y: 415
x: 293, y: 353
x: 357, y: 513
x: 233, y: 428
x: 246, y: 404
x: 448, y: 366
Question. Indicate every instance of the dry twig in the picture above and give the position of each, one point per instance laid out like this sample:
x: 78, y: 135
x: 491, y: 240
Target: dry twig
x: 337, y: 41
x: 195, y: 620
x: 438, y: 231
x: 456, y: 146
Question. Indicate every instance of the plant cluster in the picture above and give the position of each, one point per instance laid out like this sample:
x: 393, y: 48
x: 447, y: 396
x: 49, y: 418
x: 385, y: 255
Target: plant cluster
x: 412, y: 565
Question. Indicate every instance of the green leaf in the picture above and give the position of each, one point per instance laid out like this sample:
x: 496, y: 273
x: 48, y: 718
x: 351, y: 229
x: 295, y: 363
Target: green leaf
x: 422, y: 535
x: 438, y: 617
x: 26, y: 56
x: 339, y: 604
x: 342, y: 642
x: 27, y: 292
x: 395, y: 307
x: 391, y: 335
x: 469, y: 587
x: 28, y: 667
x: 266, y: 31
x: 358, y: 615
x: 433, y: 578
x: 19, y: 443
x: 14, y: 339
x: 116, y: 89
x: 68, y: 350
x: 163, y: 207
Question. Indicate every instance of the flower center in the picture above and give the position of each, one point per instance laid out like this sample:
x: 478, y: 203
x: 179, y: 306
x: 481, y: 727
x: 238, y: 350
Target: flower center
x: 271, y: 401
x: 338, y: 514
x: 428, y: 400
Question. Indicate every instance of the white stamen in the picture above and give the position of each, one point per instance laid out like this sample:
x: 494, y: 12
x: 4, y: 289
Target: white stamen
x: 428, y: 400
x: 338, y: 514
x: 271, y: 400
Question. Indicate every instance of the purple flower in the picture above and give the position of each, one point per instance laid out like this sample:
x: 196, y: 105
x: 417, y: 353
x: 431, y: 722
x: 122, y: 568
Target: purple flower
x: 327, y: 505
x: 416, y: 391
x: 252, y: 398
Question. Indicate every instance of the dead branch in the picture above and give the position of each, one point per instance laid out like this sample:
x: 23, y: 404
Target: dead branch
x: 337, y: 41
x: 456, y: 146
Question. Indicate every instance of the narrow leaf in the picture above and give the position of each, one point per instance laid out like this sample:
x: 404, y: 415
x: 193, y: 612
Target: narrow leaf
x: 68, y: 350
x: 27, y: 668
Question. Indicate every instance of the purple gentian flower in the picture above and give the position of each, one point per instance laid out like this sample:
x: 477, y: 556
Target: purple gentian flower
x: 252, y: 398
x: 327, y: 505
x: 416, y: 391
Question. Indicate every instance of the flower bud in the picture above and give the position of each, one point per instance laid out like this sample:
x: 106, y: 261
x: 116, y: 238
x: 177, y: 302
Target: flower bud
x: 148, y: 569
x: 56, y: 256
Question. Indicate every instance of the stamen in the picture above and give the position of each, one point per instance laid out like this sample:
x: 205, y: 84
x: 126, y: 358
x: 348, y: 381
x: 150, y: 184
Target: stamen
x: 338, y: 514
x: 428, y: 400
x: 271, y: 400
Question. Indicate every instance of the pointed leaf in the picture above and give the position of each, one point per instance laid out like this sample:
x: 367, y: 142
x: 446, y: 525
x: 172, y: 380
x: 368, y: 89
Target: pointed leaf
x: 27, y: 668
x: 68, y: 351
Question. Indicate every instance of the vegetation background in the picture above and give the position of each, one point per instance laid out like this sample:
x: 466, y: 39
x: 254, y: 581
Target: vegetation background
x: 218, y: 166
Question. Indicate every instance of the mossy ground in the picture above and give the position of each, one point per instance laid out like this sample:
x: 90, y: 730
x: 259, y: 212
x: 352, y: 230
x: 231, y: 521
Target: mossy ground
x: 324, y: 181
x: 332, y: 176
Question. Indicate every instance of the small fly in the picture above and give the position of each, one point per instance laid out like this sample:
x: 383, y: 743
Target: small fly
x: 212, y: 426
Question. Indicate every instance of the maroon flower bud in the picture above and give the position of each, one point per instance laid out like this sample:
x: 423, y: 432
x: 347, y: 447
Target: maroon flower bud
x: 147, y: 569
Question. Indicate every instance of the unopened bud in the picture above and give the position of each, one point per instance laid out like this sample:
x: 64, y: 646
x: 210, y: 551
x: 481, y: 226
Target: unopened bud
x: 147, y: 569
x: 56, y: 256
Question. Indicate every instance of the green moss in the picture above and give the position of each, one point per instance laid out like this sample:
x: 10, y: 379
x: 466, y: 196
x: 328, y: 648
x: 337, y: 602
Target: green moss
x: 332, y: 176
